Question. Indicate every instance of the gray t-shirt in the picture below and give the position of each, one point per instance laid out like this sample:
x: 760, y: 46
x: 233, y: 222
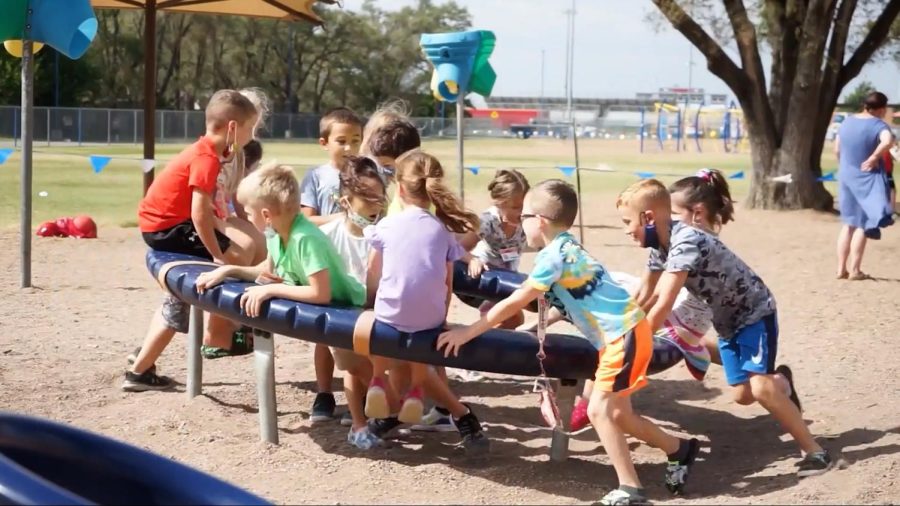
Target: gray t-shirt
x: 321, y: 190
x: 735, y: 294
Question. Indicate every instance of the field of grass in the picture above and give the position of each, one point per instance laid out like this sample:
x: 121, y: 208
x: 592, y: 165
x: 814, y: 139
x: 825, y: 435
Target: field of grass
x: 63, y: 173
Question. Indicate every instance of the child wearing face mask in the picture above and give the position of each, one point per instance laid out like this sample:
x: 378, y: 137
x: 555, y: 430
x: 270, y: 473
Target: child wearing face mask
x: 743, y: 308
x: 178, y: 214
x: 362, y: 198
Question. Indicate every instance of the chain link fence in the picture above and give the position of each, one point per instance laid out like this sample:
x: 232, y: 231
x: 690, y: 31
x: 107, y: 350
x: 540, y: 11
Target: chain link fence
x: 115, y: 126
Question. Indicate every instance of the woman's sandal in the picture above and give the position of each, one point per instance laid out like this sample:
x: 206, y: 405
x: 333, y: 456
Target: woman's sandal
x: 860, y: 276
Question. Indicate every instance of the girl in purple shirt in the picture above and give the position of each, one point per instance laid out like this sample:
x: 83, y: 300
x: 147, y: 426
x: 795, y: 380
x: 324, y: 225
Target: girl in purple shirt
x: 412, y: 255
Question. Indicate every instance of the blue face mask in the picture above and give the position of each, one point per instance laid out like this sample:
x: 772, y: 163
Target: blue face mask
x: 651, y: 238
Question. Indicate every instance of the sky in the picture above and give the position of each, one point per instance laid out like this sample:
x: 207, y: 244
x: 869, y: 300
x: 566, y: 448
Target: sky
x: 617, y: 53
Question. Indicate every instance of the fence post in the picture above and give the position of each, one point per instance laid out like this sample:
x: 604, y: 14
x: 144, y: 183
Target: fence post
x: 134, y: 114
x: 109, y: 126
x: 48, y: 126
x: 162, y: 126
x: 15, y: 127
x: 79, y: 126
x: 186, y: 136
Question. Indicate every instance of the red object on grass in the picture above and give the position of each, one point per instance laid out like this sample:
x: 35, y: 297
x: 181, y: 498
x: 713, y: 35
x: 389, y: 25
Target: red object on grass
x: 81, y: 227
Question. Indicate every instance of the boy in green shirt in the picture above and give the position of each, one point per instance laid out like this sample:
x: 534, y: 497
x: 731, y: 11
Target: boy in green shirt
x: 302, y: 264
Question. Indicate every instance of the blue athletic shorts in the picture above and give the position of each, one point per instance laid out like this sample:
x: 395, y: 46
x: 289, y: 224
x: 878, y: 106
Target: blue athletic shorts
x: 751, y: 351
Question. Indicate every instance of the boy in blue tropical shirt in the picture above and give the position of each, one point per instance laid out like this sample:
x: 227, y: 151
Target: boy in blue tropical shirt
x: 580, y: 287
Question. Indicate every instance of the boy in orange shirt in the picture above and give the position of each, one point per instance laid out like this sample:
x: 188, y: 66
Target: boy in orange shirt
x: 178, y: 215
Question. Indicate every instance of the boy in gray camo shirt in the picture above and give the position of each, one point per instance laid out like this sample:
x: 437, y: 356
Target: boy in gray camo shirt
x: 744, y: 312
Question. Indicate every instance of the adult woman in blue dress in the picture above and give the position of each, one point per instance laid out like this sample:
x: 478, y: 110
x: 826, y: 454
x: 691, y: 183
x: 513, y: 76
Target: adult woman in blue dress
x: 863, y: 190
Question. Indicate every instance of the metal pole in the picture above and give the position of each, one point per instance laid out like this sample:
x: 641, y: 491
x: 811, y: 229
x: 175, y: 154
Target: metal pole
x: 27, y: 131
x: 264, y: 358
x: 460, y: 135
x: 134, y: 114
x: 194, y: 360
x: 149, y: 87
x: 578, y: 184
x: 108, y: 126
x: 48, y: 118
x: 572, y: 63
x: 566, y: 391
x: 79, y: 126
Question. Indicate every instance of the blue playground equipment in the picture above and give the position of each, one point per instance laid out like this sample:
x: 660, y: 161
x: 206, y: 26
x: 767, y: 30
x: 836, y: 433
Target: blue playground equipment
x: 498, y: 351
x: 44, y: 462
x: 460, y: 61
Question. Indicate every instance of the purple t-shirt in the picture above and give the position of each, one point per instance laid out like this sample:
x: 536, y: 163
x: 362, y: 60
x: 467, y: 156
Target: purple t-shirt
x: 415, y: 247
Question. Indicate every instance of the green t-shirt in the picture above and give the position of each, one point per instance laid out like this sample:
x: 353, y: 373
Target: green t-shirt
x: 308, y: 251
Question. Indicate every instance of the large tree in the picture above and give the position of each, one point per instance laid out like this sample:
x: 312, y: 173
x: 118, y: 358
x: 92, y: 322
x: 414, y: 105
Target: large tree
x: 817, y: 48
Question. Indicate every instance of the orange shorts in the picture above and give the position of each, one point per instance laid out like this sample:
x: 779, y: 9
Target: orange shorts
x: 622, y: 367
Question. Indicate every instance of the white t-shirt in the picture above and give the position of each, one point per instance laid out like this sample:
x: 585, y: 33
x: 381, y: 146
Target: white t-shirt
x: 354, y: 250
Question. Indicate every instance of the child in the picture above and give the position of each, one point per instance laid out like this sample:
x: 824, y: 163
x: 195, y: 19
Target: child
x: 386, y: 143
x: 500, y: 240
x: 743, y: 308
x: 608, y: 316
x: 362, y: 198
x: 300, y: 255
x: 340, y: 133
x: 415, y: 273
x: 177, y: 215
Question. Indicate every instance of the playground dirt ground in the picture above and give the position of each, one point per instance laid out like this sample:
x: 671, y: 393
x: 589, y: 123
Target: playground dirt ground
x: 63, y: 345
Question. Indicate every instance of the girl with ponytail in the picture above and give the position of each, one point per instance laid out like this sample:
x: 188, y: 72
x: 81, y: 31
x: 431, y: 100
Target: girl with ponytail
x: 412, y: 267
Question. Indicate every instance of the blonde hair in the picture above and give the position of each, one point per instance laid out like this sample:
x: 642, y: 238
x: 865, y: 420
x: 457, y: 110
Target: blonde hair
x: 422, y: 178
x: 645, y: 194
x: 260, y: 101
x: 391, y: 110
x: 272, y: 185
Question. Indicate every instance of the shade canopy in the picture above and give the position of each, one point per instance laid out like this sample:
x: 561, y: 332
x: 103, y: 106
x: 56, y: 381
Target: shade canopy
x: 283, y: 9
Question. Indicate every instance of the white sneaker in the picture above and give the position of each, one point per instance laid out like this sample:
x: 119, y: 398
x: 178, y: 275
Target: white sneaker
x: 464, y: 374
x: 435, y: 421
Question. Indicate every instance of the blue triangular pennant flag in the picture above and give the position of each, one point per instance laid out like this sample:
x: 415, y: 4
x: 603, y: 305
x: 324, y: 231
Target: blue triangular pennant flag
x: 473, y: 169
x: 99, y: 162
x: 737, y: 175
x: 567, y: 170
x: 827, y: 177
x: 645, y: 175
x: 5, y: 154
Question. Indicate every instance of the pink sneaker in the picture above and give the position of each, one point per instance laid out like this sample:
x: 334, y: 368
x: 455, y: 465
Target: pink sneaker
x: 376, y: 400
x: 413, y: 408
x: 579, y: 418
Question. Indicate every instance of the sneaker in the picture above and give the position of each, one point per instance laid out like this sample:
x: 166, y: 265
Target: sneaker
x: 347, y: 419
x: 322, y: 408
x: 677, y: 471
x: 364, y: 439
x: 789, y: 376
x: 435, y: 421
x: 241, y: 344
x: 413, y: 408
x: 148, y: 380
x: 579, y: 419
x: 464, y: 374
x: 376, y: 400
x: 619, y: 497
x: 132, y: 358
x: 381, y: 427
x: 814, y: 464
x: 473, y: 438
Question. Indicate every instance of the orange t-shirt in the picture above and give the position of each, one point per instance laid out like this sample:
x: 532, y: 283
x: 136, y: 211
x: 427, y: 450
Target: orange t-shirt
x: 168, y: 200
